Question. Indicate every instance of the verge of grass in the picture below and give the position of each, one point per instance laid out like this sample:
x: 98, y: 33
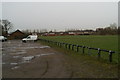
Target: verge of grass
x: 89, y: 64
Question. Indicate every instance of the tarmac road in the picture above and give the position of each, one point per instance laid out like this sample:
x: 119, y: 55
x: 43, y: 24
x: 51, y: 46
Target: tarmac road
x: 34, y: 60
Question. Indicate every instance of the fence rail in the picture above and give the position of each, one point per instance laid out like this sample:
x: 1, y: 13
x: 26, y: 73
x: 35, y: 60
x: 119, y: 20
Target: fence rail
x: 76, y: 48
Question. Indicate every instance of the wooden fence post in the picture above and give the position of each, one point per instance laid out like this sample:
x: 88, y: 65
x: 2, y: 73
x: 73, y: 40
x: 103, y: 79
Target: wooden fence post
x: 60, y: 44
x: 63, y: 45
x: 77, y: 48
x: 89, y: 50
x: 56, y: 43
x: 110, y: 56
x: 99, y: 53
x: 69, y: 46
x: 66, y: 45
x: 72, y: 47
x: 83, y: 49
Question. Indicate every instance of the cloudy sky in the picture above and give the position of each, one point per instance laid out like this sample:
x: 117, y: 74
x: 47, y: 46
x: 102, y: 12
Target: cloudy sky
x: 60, y: 15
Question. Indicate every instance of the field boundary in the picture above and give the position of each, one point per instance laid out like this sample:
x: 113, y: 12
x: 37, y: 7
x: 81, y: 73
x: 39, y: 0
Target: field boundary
x: 74, y: 47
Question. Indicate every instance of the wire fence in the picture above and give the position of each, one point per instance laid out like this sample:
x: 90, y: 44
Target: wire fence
x: 77, y: 48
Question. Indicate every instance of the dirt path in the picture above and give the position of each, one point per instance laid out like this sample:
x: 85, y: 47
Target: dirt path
x: 33, y: 60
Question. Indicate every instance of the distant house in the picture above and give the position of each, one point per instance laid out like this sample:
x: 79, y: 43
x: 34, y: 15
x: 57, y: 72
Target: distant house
x: 74, y: 32
x: 61, y: 33
x: 88, y: 32
x: 51, y: 34
x: 17, y: 35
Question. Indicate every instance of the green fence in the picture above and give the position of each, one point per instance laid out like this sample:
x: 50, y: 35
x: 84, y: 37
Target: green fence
x: 82, y: 48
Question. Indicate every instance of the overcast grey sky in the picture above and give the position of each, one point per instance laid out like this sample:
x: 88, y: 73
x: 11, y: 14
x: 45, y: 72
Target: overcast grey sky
x: 60, y: 15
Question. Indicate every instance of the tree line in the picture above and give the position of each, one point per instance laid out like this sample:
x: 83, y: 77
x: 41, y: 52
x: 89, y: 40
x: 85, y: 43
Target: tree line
x: 112, y: 29
x: 6, y: 25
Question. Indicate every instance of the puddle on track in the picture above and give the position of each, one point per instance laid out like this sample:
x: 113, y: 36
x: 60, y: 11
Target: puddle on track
x: 16, y: 67
x: 22, y: 52
x: 27, y: 59
x: 3, y: 54
x: 16, y: 50
x: 3, y: 63
x: 16, y: 56
x: 39, y: 55
x: 13, y: 63
x: 41, y: 47
x: 47, y: 54
x: 25, y: 47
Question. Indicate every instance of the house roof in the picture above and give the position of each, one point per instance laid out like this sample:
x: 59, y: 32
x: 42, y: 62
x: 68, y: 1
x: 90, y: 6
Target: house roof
x: 17, y: 32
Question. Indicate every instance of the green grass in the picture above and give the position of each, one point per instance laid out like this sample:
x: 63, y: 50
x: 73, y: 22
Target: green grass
x: 108, y: 42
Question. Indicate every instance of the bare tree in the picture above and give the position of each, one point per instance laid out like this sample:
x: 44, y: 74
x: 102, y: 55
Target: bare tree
x: 110, y: 30
x: 113, y: 26
x: 37, y: 30
x: 1, y: 29
x: 6, y: 26
x: 43, y: 30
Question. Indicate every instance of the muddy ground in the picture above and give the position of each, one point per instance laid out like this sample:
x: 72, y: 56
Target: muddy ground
x: 34, y: 60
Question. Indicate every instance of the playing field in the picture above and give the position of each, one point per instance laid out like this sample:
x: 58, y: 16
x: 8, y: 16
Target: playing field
x: 108, y: 42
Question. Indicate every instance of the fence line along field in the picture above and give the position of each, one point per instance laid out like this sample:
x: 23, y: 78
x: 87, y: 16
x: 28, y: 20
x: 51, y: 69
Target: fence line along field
x: 107, y: 42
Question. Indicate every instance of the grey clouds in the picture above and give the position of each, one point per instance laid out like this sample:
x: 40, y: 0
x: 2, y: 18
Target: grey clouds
x: 60, y: 15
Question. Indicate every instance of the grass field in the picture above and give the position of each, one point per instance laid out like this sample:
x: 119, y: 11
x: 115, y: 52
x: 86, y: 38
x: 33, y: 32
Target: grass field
x: 108, y: 42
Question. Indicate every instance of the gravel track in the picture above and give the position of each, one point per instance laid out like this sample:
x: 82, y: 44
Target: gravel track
x: 47, y: 63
